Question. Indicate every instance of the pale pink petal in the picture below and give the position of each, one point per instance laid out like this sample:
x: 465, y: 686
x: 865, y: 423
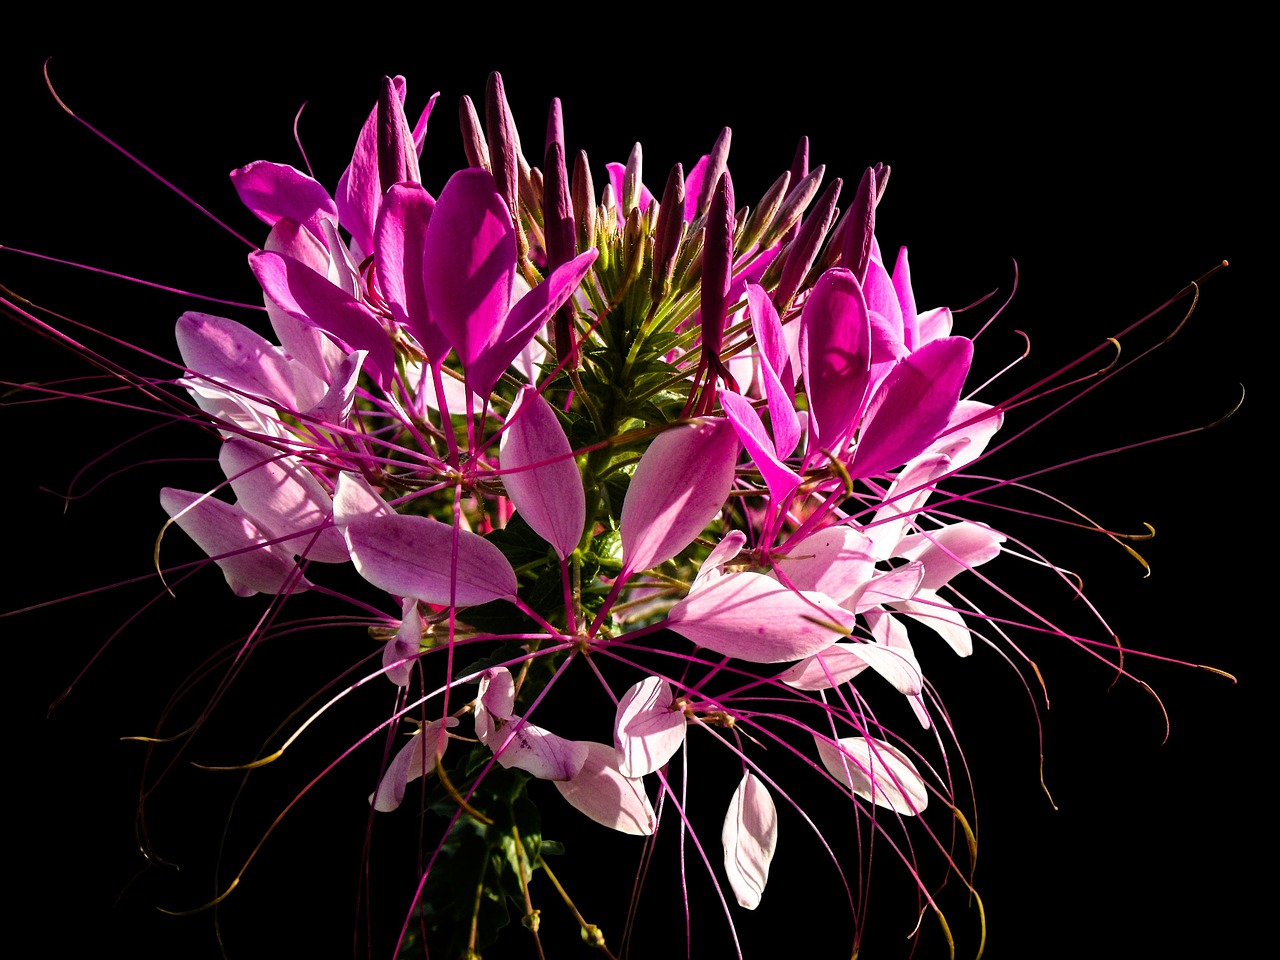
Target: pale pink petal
x: 753, y: 617
x: 413, y: 759
x: 942, y: 618
x: 723, y: 552
x: 679, y: 485
x: 606, y: 796
x: 495, y: 701
x: 400, y: 652
x: 900, y: 583
x: 836, y: 560
x: 876, y: 771
x: 354, y: 499
x: 538, y: 752
x: 837, y: 664
x: 647, y: 731
x: 239, y: 548
x: 306, y: 296
x: 283, y: 497
x: 411, y: 556
x: 750, y: 835
x: 232, y: 354
x: 780, y: 479
x: 540, y: 473
x: 950, y: 550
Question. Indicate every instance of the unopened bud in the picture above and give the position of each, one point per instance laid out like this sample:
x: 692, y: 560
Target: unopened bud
x: 717, y: 161
x: 584, y: 203
x: 793, y: 207
x: 631, y: 180
x: 805, y: 247
x: 765, y: 211
x: 473, y: 142
x: 667, y: 233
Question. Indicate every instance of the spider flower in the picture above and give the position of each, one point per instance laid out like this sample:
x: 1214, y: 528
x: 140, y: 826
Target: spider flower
x: 713, y: 496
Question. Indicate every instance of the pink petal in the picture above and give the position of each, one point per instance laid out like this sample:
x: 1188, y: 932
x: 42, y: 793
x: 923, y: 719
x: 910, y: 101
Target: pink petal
x: 283, y: 497
x: 837, y: 664
x: 753, y: 617
x: 529, y: 315
x: 780, y: 479
x: 276, y: 190
x: 679, y: 485
x: 876, y: 771
x: 409, y: 764
x: 305, y: 295
x: 835, y: 560
x: 950, y: 550
x: 647, y: 731
x: 360, y: 187
x: 399, y: 242
x: 835, y: 351
x: 235, y: 544
x: 540, y: 474
x: 750, y: 835
x: 912, y: 406
x: 410, y: 556
x: 469, y: 259
x: 606, y: 796
x: 234, y: 355
x: 538, y: 752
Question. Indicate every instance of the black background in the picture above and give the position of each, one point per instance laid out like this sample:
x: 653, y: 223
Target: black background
x: 1113, y: 173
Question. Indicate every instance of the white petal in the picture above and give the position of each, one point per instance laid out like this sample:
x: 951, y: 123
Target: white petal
x: 750, y: 836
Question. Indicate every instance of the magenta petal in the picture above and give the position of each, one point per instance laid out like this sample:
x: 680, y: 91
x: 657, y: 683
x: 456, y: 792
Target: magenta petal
x: 780, y: 478
x: 275, y: 190
x: 835, y: 354
x: 305, y: 295
x: 647, y: 730
x: 540, y: 474
x: 360, y: 189
x: 234, y: 542
x: 399, y: 243
x: 679, y: 485
x: 753, y: 617
x: 912, y: 406
x: 602, y: 793
x: 529, y: 315
x: 470, y: 263
x: 749, y: 836
x: 410, y: 556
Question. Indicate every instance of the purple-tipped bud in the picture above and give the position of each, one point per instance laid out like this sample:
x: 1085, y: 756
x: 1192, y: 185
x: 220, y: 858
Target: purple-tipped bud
x: 631, y: 180
x: 397, y: 158
x: 584, y: 202
x: 504, y: 152
x: 667, y: 233
x: 805, y: 247
x: 765, y: 211
x: 717, y: 161
x: 634, y: 241
x: 607, y: 215
x: 689, y: 266
x: 558, y: 235
x: 855, y: 250
x: 799, y: 170
x: 473, y: 142
x: 717, y: 272
x: 793, y: 207
x: 555, y: 125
